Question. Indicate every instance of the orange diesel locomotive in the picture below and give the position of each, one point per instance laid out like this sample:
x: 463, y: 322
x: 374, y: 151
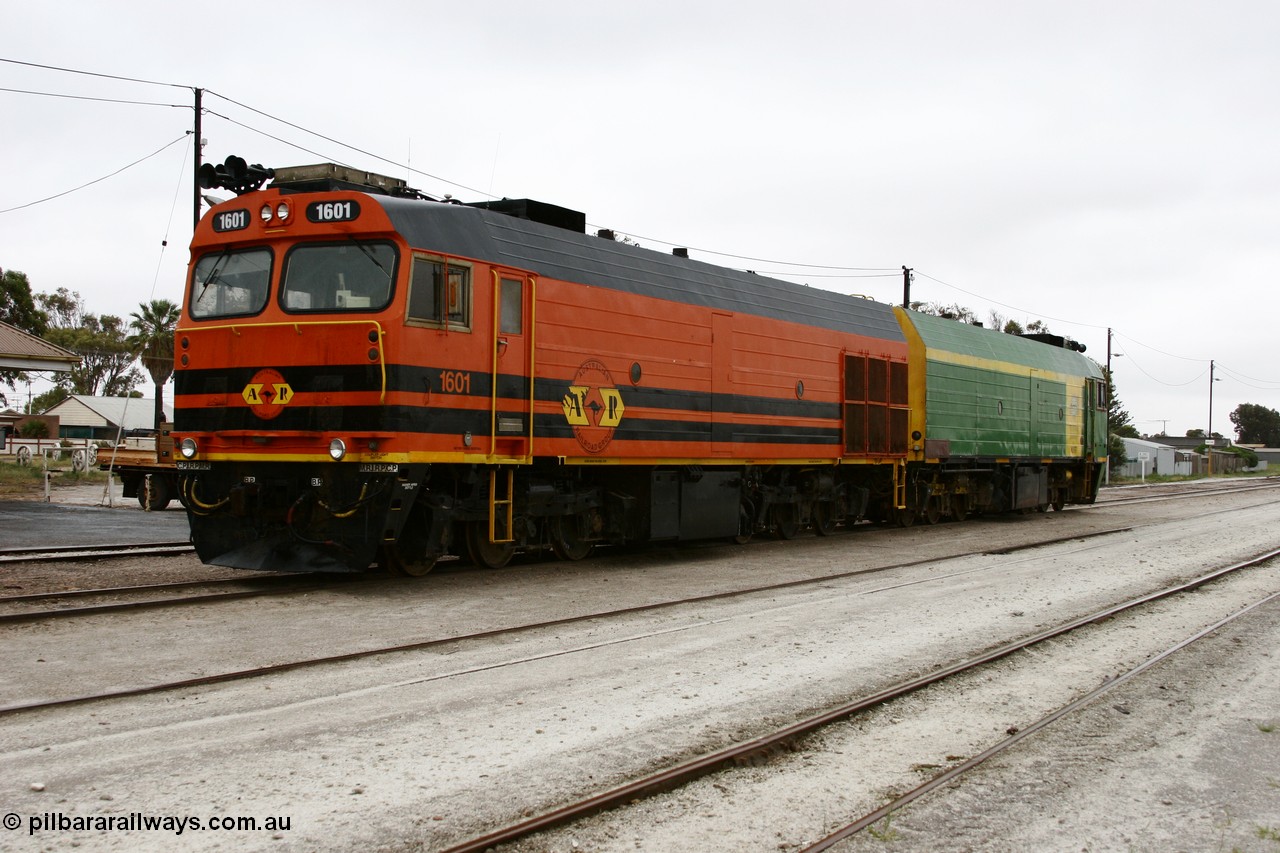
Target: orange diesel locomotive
x: 367, y: 376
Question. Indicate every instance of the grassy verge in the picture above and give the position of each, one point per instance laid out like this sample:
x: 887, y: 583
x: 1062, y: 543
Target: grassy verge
x: 27, y: 481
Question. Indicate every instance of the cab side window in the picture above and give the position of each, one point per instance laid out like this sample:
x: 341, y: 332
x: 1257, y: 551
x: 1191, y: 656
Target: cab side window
x: 512, y: 301
x: 440, y: 294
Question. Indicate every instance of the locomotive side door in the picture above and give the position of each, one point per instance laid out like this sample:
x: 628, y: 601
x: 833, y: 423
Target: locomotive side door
x: 1095, y: 437
x: 513, y: 366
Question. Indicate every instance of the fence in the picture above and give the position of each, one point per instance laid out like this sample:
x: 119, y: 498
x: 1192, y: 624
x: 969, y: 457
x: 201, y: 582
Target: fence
x: 82, y: 453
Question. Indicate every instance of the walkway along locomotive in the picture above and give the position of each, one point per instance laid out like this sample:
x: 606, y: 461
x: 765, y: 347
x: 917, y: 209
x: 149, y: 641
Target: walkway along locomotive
x: 364, y: 376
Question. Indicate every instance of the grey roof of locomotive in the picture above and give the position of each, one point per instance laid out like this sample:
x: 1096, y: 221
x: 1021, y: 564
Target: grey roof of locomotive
x: 600, y: 262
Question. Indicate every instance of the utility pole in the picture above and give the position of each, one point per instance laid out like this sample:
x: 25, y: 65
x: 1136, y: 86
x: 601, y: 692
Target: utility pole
x: 1106, y: 471
x: 195, y: 174
x: 1208, y: 438
x: 906, y: 287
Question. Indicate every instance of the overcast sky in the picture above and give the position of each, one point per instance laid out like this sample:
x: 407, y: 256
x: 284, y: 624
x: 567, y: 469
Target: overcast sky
x: 1091, y: 164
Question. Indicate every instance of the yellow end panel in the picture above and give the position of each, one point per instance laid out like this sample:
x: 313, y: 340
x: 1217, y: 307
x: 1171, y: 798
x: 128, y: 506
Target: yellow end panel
x: 916, y: 387
x: 1075, y: 416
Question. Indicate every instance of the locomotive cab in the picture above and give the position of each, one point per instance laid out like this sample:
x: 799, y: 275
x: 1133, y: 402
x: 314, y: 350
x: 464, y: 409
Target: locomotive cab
x: 325, y: 364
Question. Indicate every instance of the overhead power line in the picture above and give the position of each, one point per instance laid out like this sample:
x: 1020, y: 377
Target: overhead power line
x: 1131, y: 360
x: 89, y: 98
x: 96, y: 180
x: 1006, y: 305
x: 93, y: 73
x: 888, y: 271
x: 1162, y: 352
x: 319, y: 135
x: 835, y: 271
x: 327, y: 158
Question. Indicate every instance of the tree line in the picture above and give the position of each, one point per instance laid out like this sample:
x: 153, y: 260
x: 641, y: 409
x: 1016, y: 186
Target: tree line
x: 109, y: 346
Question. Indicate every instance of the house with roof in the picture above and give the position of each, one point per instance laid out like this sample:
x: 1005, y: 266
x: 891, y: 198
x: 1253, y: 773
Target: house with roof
x: 21, y: 350
x: 103, y: 418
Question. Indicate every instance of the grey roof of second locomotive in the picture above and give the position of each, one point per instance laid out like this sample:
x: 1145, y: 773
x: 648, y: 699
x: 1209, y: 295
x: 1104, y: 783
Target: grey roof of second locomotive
x: 571, y: 256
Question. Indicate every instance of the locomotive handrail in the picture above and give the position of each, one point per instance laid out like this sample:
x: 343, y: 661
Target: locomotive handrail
x: 297, y: 327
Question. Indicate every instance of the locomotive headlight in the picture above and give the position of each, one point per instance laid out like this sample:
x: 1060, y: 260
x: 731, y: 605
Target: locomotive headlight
x: 282, y: 211
x: 265, y: 213
x: 188, y: 448
x: 337, y: 449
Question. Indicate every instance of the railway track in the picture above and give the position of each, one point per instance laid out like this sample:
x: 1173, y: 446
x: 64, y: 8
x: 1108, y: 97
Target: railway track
x: 260, y: 671
x: 1123, y: 495
x: 241, y: 588
x: 238, y: 588
x: 93, y: 552
x: 742, y: 754
x: 122, y: 550
x: 289, y: 584
x: 268, y: 584
x: 946, y: 777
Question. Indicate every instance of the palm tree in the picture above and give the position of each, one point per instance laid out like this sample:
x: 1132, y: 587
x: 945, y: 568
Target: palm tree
x: 152, y: 341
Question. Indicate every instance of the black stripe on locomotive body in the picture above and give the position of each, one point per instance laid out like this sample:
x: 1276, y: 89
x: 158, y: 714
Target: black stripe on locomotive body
x: 420, y: 379
x: 440, y: 418
x: 453, y: 422
x: 577, y: 258
x: 703, y: 403
x: 653, y: 429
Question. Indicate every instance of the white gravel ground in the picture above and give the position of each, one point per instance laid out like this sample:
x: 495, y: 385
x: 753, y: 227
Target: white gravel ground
x: 419, y: 750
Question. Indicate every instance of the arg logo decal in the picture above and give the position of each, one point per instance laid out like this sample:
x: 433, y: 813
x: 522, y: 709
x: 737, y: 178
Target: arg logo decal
x: 593, y: 406
x: 267, y: 393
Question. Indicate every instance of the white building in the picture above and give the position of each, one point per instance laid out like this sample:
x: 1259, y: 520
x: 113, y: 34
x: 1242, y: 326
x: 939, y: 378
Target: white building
x: 1145, y: 458
x: 103, y: 418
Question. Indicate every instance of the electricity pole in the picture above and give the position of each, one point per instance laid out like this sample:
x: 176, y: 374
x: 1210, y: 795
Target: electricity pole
x: 1208, y: 438
x: 195, y: 174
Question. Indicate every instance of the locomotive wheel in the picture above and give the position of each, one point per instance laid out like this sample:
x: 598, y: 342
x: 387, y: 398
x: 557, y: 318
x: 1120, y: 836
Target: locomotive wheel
x: 412, y: 568
x: 566, y: 537
x: 905, y: 517
x: 824, y: 518
x: 785, y: 523
x: 959, y: 511
x: 394, y: 560
x: 932, y: 510
x: 490, y: 555
x: 1058, y: 503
